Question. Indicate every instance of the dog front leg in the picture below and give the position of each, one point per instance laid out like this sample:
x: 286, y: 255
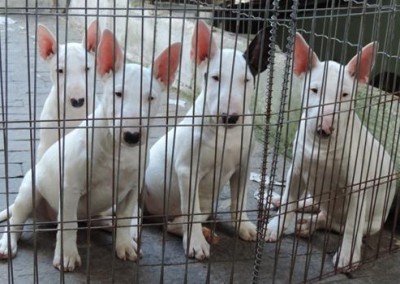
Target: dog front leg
x: 194, y: 242
x: 246, y: 229
x: 126, y: 245
x: 22, y: 208
x: 43, y: 146
x: 48, y: 136
x: 286, y: 215
x: 348, y: 256
x: 66, y: 254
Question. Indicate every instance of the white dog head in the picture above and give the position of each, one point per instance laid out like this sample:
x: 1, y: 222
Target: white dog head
x: 228, y: 74
x: 131, y: 92
x: 329, y: 87
x: 71, y: 66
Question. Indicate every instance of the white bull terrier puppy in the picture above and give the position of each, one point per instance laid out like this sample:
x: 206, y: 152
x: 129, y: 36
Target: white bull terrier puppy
x: 71, y: 97
x: 336, y: 160
x: 191, y: 164
x: 72, y: 74
x: 105, y: 156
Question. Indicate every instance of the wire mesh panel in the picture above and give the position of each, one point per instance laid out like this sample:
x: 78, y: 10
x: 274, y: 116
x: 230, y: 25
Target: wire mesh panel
x: 199, y: 141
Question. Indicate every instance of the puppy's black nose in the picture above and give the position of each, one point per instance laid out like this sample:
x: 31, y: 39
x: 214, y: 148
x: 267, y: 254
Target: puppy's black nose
x: 77, y: 103
x: 131, y: 138
x: 322, y: 133
x: 230, y: 119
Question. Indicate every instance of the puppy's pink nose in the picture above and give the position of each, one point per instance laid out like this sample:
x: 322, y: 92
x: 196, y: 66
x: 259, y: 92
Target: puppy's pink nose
x: 325, y: 131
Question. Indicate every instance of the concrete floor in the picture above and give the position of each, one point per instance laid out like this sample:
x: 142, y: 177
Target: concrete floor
x: 232, y: 261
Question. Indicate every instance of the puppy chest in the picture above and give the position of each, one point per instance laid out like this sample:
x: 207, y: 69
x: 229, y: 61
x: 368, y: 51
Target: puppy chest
x: 110, y: 172
x: 113, y: 182
x: 223, y: 153
x: 323, y: 175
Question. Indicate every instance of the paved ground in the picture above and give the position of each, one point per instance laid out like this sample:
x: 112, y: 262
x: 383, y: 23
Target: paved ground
x: 232, y: 260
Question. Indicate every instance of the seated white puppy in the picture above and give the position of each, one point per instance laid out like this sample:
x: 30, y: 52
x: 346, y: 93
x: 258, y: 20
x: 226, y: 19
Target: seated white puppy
x: 210, y: 147
x: 105, y: 156
x: 336, y: 160
x: 72, y: 73
x: 71, y: 97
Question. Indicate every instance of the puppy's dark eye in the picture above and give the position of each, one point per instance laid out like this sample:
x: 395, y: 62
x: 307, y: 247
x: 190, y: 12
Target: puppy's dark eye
x: 118, y: 94
x: 215, y: 78
x: 87, y: 69
x: 60, y: 71
x: 151, y: 98
x: 345, y: 95
x: 246, y: 80
x: 314, y: 90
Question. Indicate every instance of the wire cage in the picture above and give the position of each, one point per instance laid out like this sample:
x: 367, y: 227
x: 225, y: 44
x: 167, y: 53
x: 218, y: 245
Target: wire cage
x: 182, y: 119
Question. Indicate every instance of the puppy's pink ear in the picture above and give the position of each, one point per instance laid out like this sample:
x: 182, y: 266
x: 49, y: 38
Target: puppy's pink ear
x: 361, y: 64
x: 166, y: 64
x: 47, y: 44
x: 109, y: 54
x: 91, y: 39
x: 304, y: 58
x: 203, y: 45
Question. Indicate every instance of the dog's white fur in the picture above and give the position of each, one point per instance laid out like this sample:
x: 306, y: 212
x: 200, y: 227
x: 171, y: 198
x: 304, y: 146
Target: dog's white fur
x: 104, y: 156
x: 59, y: 116
x: 336, y: 160
x: 72, y: 74
x: 190, y: 165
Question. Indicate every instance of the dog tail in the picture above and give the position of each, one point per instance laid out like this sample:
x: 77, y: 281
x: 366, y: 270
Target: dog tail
x: 4, y: 214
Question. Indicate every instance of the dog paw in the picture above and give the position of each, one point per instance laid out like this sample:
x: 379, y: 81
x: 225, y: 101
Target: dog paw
x: 198, y: 248
x: 272, y: 230
x: 127, y: 250
x: 134, y: 232
x: 71, y: 259
x: 4, y: 248
x: 103, y: 222
x: 343, y: 264
x: 211, y: 236
x: 248, y: 231
x: 275, y: 200
x: 309, y: 223
x: 271, y: 236
x: 304, y: 228
x: 306, y: 225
